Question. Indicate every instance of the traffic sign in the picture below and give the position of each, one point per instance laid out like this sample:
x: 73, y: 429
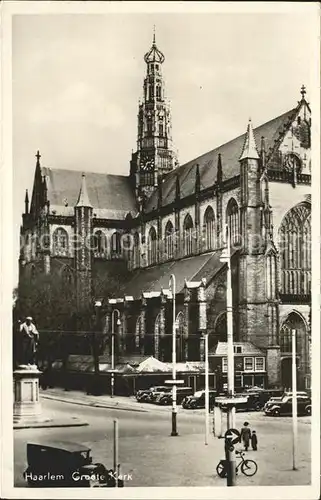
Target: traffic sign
x: 174, y: 382
x: 233, y: 436
x: 231, y: 401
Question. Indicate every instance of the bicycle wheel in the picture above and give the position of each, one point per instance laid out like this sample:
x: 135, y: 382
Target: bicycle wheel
x: 221, y: 469
x: 249, y: 467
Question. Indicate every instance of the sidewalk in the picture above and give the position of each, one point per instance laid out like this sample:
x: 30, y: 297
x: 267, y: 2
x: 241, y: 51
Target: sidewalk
x: 105, y: 401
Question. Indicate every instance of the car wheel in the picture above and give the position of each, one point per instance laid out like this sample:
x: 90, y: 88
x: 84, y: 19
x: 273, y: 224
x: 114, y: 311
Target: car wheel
x: 257, y: 407
x: 276, y: 413
x: 308, y: 410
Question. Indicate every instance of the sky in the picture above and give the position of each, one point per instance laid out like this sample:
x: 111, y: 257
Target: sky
x: 77, y: 79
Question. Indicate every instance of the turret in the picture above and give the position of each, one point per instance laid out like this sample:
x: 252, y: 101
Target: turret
x: 83, y: 252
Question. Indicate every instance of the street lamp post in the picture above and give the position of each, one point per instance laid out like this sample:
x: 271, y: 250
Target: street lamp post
x: 229, y: 449
x: 226, y: 257
x: 172, y: 285
x: 207, y: 405
x: 113, y: 348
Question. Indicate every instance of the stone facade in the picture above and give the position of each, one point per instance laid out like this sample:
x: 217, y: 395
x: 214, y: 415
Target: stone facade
x: 175, y: 219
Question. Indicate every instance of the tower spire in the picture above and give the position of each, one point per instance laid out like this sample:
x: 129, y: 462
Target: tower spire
x: 83, y: 198
x: 303, y: 92
x: 27, y: 202
x: 154, y: 37
x: 38, y: 156
x: 249, y: 148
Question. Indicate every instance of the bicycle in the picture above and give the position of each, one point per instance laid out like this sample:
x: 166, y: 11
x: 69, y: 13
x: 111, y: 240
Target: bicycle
x: 248, y: 467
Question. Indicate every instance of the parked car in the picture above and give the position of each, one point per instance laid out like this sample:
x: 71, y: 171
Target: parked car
x: 197, y: 400
x: 277, y: 408
x: 145, y: 395
x: 63, y: 464
x: 277, y: 399
x: 153, y: 395
x: 167, y: 398
x: 245, y: 402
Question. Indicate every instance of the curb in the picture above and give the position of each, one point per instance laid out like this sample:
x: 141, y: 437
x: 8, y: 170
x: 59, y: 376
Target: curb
x: 93, y: 404
x: 50, y: 424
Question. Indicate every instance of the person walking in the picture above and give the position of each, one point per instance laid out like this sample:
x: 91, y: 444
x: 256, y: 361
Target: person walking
x: 254, y: 440
x: 246, y: 435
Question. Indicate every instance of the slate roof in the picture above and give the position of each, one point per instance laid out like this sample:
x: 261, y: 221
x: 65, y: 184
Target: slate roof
x: 110, y: 195
x: 154, y: 278
x: 249, y: 349
x: 230, y: 153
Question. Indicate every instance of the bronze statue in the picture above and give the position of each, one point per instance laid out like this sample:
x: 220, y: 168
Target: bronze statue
x: 29, y: 338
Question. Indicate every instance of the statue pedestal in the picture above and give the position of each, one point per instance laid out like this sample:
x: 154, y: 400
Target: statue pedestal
x: 27, y: 406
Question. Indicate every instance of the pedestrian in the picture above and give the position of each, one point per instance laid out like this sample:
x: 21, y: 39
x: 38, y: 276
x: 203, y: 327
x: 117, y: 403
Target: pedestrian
x: 254, y: 440
x: 246, y: 435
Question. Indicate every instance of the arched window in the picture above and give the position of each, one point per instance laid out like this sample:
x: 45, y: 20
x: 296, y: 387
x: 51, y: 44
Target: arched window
x: 209, y: 229
x: 295, y: 250
x: 188, y: 232
x: 139, y: 339
x: 28, y: 247
x: 60, y: 242
x: 158, y: 92
x: 115, y: 244
x: 161, y: 130
x: 180, y: 336
x: 100, y: 244
x: 67, y: 276
x: 294, y: 321
x: 169, y: 240
x: 152, y: 247
x: 136, y: 251
x: 232, y: 217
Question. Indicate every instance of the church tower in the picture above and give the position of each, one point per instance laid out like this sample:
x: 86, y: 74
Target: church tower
x: 154, y: 157
x: 83, y: 257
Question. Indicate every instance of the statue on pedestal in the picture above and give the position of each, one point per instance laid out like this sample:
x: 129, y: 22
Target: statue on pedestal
x: 28, y: 338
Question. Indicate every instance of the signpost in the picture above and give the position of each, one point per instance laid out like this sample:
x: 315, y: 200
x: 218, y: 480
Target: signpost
x: 232, y: 436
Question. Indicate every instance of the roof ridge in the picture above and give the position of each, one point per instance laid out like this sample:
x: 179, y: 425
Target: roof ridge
x: 86, y: 172
x: 194, y: 160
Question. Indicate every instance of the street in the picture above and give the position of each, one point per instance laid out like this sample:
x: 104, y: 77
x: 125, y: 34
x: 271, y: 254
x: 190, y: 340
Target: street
x: 151, y: 457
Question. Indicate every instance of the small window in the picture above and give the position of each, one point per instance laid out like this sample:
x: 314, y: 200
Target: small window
x: 299, y: 120
x: 157, y: 66
x: 237, y: 349
x: 259, y: 364
x: 248, y: 364
x: 224, y: 365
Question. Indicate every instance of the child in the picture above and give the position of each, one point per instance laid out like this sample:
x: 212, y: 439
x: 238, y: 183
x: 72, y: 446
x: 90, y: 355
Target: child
x: 246, y: 435
x: 254, y: 440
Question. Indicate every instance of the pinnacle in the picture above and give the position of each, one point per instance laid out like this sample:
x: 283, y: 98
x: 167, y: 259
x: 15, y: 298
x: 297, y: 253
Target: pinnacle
x: 249, y: 148
x: 83, y: 198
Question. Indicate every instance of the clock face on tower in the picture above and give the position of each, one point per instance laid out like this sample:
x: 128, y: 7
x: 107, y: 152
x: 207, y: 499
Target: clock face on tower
x: 147, y: 163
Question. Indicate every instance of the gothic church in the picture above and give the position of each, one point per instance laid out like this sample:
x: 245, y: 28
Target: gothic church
x: 165, y: 218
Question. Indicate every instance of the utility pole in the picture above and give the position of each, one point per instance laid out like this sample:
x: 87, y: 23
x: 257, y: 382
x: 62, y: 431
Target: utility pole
x: 115, y: 465
x: 294, y: 400
x: 229, y: 450
x: 172, y: 285
x: 207, y: 405
x: 113, y: 349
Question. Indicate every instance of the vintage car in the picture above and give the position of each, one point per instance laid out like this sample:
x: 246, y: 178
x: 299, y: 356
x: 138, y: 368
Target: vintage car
x: 243, y: 402
x: 197, y: 400
x: 276, y: 408
x: 147, y: 395
x: 166, y: 398
x: 63, y: 464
